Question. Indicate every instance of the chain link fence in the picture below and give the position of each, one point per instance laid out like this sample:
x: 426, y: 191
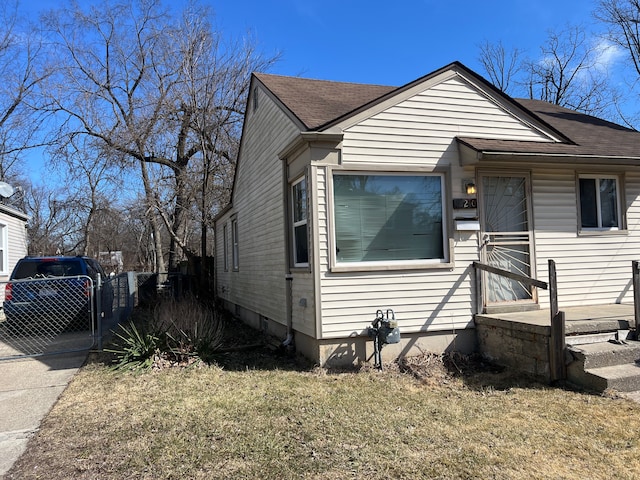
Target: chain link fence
x: 62, y: 314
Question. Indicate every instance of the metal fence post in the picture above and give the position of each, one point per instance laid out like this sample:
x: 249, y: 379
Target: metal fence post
x: 98, y: 312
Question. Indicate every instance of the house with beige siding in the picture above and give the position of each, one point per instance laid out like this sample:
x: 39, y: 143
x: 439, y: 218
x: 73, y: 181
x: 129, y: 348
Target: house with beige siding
x: 350, y: 198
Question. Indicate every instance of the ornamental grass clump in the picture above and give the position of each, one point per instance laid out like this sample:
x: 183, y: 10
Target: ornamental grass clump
x: 177, y: 333
x: 190, y: 328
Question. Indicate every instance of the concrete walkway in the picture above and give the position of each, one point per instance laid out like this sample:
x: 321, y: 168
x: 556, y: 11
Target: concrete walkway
x: 29, y: 387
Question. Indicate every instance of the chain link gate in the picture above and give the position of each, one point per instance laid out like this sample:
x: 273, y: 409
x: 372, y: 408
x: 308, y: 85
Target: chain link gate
x: 48, y: 315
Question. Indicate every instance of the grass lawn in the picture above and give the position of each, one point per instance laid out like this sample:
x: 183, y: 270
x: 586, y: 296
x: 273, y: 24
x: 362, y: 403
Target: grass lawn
x: 257, y: 416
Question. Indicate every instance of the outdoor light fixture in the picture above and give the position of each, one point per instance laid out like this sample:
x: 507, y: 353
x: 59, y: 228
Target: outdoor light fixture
x: 470, y: 187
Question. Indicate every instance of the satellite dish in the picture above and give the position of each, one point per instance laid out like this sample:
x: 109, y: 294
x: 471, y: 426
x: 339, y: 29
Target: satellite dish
x: 6, y: 190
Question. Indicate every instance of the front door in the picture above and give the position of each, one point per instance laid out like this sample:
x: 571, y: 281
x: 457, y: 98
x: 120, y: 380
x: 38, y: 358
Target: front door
x: 506, y: 237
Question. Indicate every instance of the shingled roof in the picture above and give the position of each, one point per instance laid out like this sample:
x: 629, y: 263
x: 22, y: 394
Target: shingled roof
x: 588, y: 135
x: 317, y: 103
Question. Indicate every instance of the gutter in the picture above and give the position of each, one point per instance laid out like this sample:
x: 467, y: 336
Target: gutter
x: 489, y: 153
x: 567, y: 158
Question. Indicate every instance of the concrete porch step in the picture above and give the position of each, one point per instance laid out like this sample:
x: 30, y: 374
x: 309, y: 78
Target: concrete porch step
x: 605, y: 365
x: 595, y: 325
x: 623, y: 378
x: 605, y: 354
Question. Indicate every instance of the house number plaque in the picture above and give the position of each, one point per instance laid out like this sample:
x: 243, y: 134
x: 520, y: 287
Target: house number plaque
x: 462, y: 203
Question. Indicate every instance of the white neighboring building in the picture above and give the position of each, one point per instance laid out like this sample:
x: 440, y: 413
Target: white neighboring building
x: 13, y: 241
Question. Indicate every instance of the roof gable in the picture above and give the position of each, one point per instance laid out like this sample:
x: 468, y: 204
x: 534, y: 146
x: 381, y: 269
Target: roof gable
x: 318, y: 102
x: 318, y: 105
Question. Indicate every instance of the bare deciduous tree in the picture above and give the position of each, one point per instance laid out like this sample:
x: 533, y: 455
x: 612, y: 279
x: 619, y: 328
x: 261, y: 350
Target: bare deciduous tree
x: 92, y: 183
x: 50, y: 228
x: 159, y: 91
x: 502, y: 66
x: 21, y: 72
x: 623, y: 20
x: 568, y: 72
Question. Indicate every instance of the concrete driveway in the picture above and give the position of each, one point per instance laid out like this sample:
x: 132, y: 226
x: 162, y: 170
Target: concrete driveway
x: 29, y: 387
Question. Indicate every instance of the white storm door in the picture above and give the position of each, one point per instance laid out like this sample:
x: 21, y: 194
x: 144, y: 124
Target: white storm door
x: 507, y: 238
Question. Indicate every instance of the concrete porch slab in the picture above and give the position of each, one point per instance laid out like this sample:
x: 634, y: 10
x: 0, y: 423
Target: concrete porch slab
x: 583, y: 319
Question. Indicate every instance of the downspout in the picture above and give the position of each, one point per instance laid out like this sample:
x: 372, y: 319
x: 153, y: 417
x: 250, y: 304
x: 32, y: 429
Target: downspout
x: 289, y: 292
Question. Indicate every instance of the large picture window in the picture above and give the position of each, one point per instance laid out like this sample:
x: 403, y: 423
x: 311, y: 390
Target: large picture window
x: 389, y: 218
x: 299, y: 210
x: 599, y: 203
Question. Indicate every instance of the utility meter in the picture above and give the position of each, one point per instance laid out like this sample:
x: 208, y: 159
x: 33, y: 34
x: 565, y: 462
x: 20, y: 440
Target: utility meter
x: 384, y: 330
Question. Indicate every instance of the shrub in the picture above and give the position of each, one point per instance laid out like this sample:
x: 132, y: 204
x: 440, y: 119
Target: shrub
x: 178, y: 331
x: 137, y: 349
x: 190, y: 328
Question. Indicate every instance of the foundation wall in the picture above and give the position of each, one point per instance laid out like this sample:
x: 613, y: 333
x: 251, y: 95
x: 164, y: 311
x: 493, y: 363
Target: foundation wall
x: 519, y: 346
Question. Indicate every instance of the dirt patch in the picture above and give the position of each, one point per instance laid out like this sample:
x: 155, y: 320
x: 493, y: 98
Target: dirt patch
x: 243, y: 348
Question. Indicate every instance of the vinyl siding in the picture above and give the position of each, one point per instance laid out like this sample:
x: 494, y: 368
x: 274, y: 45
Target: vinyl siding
x: 419, y: 132
x: 259, y: 284
x: 422, y: 129
x: 303, y: 305
x: 16, y: 245
x: 591, y: 269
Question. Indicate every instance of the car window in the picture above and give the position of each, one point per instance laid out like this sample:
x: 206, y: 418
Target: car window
x: 48, y: 268
x: 98, y: 268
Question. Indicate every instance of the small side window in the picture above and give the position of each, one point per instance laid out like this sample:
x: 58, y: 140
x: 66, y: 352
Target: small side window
x: 600, y: 203
x: 235, y: 252
x: 299, y: 222
x: 225, y: 248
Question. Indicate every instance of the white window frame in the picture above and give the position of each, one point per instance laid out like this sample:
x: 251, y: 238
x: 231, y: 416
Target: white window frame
x: 384, y: 265
x: 619, y: 211
x: 235, y: 251
x: 299, y: 222
x: 4, y: 249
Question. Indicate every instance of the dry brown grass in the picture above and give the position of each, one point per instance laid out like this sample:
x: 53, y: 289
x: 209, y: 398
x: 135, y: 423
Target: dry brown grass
x: 257, y: 416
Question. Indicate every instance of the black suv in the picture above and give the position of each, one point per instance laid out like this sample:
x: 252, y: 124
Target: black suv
x: 52, y: 294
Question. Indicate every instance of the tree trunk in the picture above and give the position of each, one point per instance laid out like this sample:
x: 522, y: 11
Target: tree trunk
x: 179, y: 248
x: 153, y: 221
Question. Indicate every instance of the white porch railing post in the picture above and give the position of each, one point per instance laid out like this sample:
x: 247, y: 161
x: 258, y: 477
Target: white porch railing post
x: 636, y: 294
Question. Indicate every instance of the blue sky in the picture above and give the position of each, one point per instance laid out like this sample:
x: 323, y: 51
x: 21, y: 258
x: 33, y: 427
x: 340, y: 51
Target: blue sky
x: 383, y: 42
x: 392, y: 43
